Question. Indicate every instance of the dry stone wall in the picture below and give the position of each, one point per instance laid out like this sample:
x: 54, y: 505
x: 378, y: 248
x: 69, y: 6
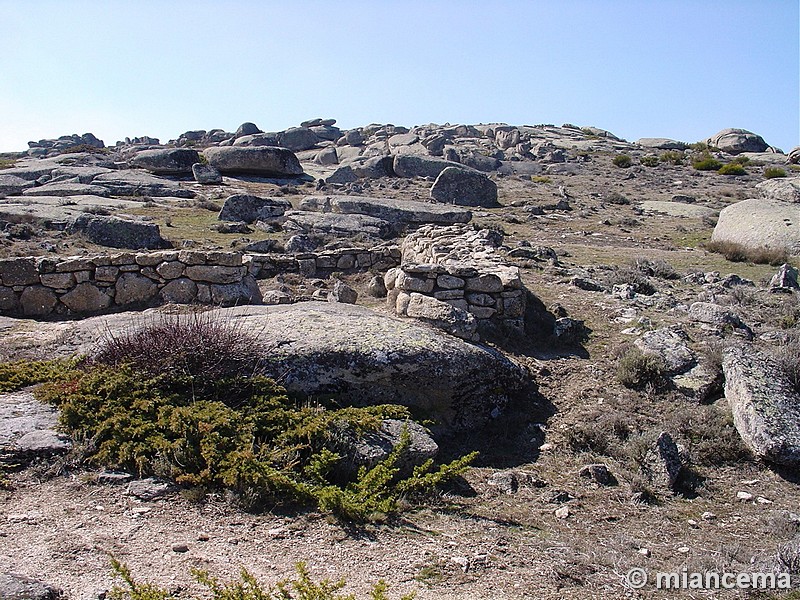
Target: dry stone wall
x: 79, y: 285
x: 463, y: 268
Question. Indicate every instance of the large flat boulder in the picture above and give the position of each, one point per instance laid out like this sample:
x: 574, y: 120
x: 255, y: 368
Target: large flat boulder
x: 760, y: 223
x: 64, y: 189
x: 266, y: 161
x: 139, y: 184
x: 120, y: 233
x: 766, y: 407
x: 359, y: 356
x: 12, y: 185
x: 396, y: 212
x: 249, y: 208
x: 166, y: 161
x: 335, y: 223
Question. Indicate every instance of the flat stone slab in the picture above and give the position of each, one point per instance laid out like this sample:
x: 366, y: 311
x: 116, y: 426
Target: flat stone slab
x: 335, y: 223
x: 765, y: 406
x: 390, y: 210
x: 678, y: 209
x: 58, y: 211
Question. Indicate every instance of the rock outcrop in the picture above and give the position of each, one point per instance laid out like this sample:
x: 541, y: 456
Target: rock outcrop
x: 166, y: 161
x: 766, y: 407
x: 736, y: 141
x: 760, y: 223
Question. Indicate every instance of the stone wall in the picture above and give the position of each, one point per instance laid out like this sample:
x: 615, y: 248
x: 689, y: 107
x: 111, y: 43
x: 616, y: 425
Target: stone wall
x: 79, y: 285
x: 463, y: 268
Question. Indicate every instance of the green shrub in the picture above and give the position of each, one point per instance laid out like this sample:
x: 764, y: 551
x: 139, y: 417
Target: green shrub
x: 540, y: 179
x: 623, y: 161
x: 19, y: 374
x: 773, y: 172
x: 7, y: 163
x: 706, y: 162
x: 672, y: 157
x: 649, y: 161
x: 616, y: 198
x: 635, y: 369
x: 732, y: 168
x: 300, y: 587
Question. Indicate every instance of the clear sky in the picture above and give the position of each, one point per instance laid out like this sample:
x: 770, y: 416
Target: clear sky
x: 681, y: 69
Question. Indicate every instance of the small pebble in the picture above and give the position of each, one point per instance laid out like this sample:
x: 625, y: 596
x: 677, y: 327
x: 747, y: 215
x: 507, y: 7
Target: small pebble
x: 684, y: 549
x: 180, y: 548
x: 562, y: 512
x: 692, y: 523
x: 708, y: 516
x: 644, y: 552
x: 202, y: 537
x: 744, y: 496
x: 762, y: 500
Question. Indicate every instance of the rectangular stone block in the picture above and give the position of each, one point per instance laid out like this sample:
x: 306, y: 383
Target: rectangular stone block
x: 448, y: 294
x: 449, y: 282
x: 108, y: 273
x: 215, y: 274
x: 74, y: 264
x: 482, y: 312
x: 19, y: 271
x: 225, y: 259
x: 57, y: 280
x: 414, y: 284
x: 191, y: 258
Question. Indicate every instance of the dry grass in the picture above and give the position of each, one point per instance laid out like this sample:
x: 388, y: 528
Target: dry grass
x: 738, y: 253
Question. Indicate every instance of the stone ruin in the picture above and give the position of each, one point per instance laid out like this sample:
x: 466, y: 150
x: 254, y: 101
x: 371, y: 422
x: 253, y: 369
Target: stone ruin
x: 455, y: 278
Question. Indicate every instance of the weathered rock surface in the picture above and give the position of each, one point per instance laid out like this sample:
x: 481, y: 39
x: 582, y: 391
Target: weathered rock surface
x: 662, y: 144
x: 766, y: 407
x: 206, y: 174
x: 736, y: 141
x: 408, y: 165
x: 671, y: 345
x: 662, y: 464
x: 18, y: 587
x: 166, y: 161
x: 137, y: 183
x: 786, y: 189
x: 395, y: 212
x: 759, y: 223
x: 12, y: 185
x: 371, y: 448
x: 67, y: 189
x: 120, y: 233
x: 465, y: 187
x: 362, y: 357
x: 267, y: 161
x: 249, y: 209
x: 335, y: 223
x: 442, y: 315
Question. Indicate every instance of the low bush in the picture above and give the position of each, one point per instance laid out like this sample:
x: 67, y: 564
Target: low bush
x: 706, y: 162
x: 85, y: 148
x: 672, y: 157
x: 300, y: 587
x: 623, y: 161
x: 633, y: 276
x: 738, y: 253
x: 658, y: 268
x: 635, y: 369
x: 19, y: 374
x: 616, y: 198
x: 650, y: 160
x: 732, y: 168
x: 787, y: 356
x: 7, y: 163
x: 185, y: 398
x: 773, y: 172
x: 540, y: 179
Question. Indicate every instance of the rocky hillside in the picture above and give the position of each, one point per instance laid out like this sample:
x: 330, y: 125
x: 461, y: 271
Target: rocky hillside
x: 612, y: 325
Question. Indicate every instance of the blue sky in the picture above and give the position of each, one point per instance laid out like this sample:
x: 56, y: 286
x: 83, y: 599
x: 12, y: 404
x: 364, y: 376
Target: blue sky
x: 682, y: 69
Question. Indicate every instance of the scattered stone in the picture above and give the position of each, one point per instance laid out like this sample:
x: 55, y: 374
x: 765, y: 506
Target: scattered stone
x: 785, y: 189
x: 785, y: 279
x: 300, y: 243
x: 442, y: 315
x: 113, y: 477
x: 562, y: 512
x: 376, y: 287
x: 663, y: 465
x: 180, y: 547
x: 233, y: 227
x: 341, y: 292
x: 150, y: 489
x: 669, y: 344
x: 599, y: 473
x: 276, y: 297
x: 744, y: 496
